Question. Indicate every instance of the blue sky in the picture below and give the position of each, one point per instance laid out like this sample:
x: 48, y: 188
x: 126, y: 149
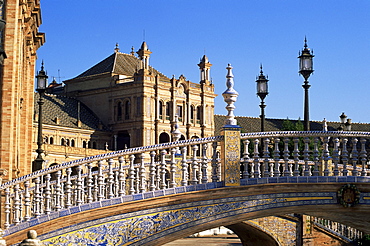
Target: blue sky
x: 243, y: 33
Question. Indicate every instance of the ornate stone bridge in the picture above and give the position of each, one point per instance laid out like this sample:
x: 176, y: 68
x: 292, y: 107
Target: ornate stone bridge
x: 156, y: 194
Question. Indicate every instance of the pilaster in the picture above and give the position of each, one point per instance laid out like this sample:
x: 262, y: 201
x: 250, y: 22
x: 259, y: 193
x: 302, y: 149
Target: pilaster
x: 230, y: 155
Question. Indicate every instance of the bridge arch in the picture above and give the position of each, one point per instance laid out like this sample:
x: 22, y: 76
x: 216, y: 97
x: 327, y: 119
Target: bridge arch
x: 145, y: 219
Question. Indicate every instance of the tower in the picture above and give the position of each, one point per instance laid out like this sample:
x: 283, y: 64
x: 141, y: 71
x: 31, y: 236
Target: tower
x: 22, y: 39
x: 205, y: 66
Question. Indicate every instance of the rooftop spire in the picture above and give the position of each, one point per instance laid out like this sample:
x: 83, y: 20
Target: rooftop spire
x: 116, y: 50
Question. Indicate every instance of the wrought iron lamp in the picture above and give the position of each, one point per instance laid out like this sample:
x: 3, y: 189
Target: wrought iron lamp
x: 41, y: 83
x: 306, y: 69
x: 262, y: 92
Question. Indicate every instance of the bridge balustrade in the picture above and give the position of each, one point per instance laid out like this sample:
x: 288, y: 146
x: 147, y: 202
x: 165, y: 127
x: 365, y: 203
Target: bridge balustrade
x: 157, y: 167
x: 344, y: 231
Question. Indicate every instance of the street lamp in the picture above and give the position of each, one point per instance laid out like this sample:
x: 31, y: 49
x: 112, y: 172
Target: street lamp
x: 262, y: 92
x: 41, y: 83
x: 305, y: 69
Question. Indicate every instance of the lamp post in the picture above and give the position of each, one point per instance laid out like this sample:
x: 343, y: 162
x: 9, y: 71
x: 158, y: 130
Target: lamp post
x: 262, y: 92
x: 41, y: 83
x: 305, y: 69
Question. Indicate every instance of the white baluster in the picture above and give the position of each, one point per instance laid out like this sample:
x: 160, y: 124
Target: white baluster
x: 316, y: 171
x: 37, y: 198
x: 326, y: 156
x: 101, y: 183
x: 306, y: 156
x: 344, y: 156
x: 257, y: 171
x: 90, y: 183
x: 7, y: 208
x: 277, y: 158
x: 79, y: 184
x: 354, y: 154
x: 122, y: 177
x: 162, y: 182
x: 110, y: 179
x: 363, y: 156
x: 266, y: 156
x: 245, y: 159
x: 287, y: 170
x: 27, y: 201
x: 152, y: 173
x: 296, y: 157
x: 173, y: 168
x: 68, y: 191
x: 142, y: 172
x: 336, y: 157
x: 184, y: 166
x: 194, y: 166
x: 47, y: 194
x: 204, y: 163
x: 16, y: 205
x: 132, y: 175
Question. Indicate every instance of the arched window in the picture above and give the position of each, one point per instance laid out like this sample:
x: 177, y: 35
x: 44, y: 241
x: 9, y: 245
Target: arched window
x: 119, y: 111
x: 72, y: 143
x: 160, y: 109
x: 199, y: 114
x: 168, y: 110
x: 51, y: 140
x: 62, y: 142
x: 127, y: 109
x: 192, y: 114
x: 94, y: 145
x: 164, y: 138
x: 84, y: 144
x: 179, y: 112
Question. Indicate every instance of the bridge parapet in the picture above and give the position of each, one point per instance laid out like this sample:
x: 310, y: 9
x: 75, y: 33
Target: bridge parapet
x: 287, y: 157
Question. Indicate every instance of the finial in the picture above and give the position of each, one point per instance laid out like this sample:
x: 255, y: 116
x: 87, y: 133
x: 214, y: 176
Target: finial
x: 176, y: 134
x: 261, y: 72
x: 324, y: 125
x: 305, y: 42
x: 132, y: 51
x: 117, y: 48
x: 42, y: 65
x: 230, y: 96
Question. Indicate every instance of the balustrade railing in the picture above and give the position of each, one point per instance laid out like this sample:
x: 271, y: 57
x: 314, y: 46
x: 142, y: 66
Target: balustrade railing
x: 182, y: 163
x: 344, y: 231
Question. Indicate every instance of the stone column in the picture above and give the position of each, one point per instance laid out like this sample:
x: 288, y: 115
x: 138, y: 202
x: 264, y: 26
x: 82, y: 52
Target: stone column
x: 230, y: 155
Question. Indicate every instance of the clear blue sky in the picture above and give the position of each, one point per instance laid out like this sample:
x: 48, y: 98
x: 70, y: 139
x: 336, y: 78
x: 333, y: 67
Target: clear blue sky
x: 81, y: 33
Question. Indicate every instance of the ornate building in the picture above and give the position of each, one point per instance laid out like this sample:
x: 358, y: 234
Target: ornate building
x: 20, y: 40
x: 134, y: 104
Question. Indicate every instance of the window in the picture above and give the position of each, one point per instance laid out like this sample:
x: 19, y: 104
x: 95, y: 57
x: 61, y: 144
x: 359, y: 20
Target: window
x: 51, y: 140
x: 199, y: 114
x: 179, y: 112
x: 160, y: 109
x: 127, y: 110
x: 72, y: 143
x: 138, y: 105
x: 192, y: 114
x: 119, y: 111
x: 168, y: 110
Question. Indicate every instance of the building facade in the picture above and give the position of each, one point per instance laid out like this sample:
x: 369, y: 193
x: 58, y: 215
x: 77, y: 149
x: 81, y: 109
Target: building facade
x: 133, y: 103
